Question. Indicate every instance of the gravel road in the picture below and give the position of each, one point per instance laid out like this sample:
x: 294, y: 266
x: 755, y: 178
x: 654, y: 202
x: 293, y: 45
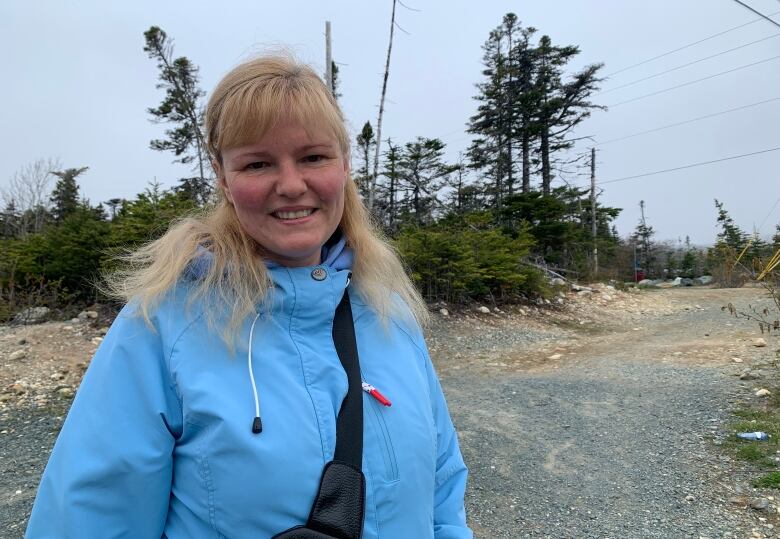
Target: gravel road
x: 602, y: 422
x: 618, y: 438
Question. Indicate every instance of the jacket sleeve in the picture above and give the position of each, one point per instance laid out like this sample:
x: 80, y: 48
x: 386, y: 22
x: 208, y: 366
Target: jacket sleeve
x: 449, y: 514
x: 109, y: 474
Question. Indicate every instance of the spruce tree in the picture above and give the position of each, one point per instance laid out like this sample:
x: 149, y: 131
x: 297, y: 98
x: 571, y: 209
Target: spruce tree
x: 181, y: 107
x: 9, y: 220
x: 643, y: 236
x: 65, y: 196
x: 562, y: 105
x: 423, y: 172
x: 490, y: 152
x: 334, y: 69
x: 391, y: 171
x: 365, y: 143
x: 730, y: 233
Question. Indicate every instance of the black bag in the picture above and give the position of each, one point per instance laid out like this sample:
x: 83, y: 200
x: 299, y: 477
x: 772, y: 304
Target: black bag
x: 339, y: 508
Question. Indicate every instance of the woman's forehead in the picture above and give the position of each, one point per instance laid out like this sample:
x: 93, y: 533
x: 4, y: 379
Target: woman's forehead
x: 253, y: 125
x: 287, y: 134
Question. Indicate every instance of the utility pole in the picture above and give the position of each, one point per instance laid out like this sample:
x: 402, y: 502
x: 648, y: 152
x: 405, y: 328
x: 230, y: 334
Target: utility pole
x: 645, y: 250
x: 328, y: 58
x: 593, y: 227
x: 635, y: 275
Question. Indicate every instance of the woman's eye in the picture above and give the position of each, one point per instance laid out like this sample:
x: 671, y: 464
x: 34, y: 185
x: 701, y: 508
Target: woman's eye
x: 314, y: 158
x: 257, y: 165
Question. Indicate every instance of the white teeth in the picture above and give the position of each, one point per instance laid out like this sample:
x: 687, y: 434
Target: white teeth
x: 293, y: 214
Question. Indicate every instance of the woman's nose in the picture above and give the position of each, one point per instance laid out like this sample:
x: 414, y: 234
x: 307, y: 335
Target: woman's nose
x: 291, y: 182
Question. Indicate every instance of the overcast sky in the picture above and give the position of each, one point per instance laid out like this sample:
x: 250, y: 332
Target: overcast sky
x: 76, y: 86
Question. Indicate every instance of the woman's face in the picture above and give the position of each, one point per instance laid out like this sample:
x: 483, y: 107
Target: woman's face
x: 288, y: 191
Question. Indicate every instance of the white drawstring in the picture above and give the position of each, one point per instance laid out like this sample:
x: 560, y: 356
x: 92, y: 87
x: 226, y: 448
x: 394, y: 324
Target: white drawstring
x: 257, y: 425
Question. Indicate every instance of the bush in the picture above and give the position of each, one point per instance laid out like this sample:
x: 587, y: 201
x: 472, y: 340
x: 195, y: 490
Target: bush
x: 459, y: 264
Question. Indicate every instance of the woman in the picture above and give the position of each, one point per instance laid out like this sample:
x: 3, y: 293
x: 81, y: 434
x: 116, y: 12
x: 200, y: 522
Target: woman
x: 174, y: 434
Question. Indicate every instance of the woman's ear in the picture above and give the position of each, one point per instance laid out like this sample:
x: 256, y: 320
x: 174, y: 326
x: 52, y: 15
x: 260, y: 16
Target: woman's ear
x: 221, y: 181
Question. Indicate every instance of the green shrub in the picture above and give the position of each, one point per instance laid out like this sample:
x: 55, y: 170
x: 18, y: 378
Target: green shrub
x: 472, y: 262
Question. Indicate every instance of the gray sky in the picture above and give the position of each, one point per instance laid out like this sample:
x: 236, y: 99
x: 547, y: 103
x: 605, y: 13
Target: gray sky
x: 77, y: 85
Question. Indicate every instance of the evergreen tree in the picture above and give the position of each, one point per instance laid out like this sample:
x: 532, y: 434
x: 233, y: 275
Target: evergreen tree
x: 562, y: 105
x: 730, y: 234
x: 643, y: 237
x: 423, y: 173
x: 365, y: 143
x: 182, y: 108
x: 334, y: 69
x: 65, y: 196
x: 560, y: 225
x: 113, y: 204
x: 391, y: 171
x: 148, y: 216
x: 75, y: 250
x: 688, y: 264
x: 524, y: 101
x: 9, y: 220
x: 524, y: 61
x: 494, y: 122
x: 757, y: 252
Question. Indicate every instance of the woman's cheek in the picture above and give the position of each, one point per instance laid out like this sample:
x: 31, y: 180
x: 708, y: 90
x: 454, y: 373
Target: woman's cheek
x: 249, y: 193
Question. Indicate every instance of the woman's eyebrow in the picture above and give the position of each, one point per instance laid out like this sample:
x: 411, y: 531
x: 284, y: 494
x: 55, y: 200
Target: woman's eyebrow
x: 316, y: 146
x: 251, y: 153
x: 304, y: 148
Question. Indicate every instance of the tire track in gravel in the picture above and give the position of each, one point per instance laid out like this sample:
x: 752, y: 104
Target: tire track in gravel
x: 619, y: 439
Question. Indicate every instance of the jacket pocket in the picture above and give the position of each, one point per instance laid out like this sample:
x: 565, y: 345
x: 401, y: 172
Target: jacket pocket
x: 383, y: 440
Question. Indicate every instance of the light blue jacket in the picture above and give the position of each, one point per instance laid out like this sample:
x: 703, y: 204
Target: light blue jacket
x: 158, y: 442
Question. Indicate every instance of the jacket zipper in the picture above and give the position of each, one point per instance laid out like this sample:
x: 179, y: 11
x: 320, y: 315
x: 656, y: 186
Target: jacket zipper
x: 383, y: 434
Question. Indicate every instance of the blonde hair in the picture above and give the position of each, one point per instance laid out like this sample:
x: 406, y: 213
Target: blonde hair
x: 248, y: 102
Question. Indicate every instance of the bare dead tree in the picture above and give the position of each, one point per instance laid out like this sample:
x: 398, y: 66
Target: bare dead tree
x: 28, y: 191
x: 372, y: 187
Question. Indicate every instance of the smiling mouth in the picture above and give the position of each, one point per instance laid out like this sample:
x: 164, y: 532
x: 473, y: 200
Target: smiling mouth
x: 289, y: 215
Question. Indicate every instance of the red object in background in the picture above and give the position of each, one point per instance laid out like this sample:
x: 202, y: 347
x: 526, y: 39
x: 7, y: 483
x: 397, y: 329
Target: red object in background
x: 640, y: 275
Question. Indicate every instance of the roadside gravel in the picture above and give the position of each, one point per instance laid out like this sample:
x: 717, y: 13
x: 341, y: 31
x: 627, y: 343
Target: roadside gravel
x: 617, y: 438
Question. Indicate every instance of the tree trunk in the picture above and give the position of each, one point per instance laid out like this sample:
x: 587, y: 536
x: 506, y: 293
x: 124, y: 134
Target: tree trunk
x: 499, y: 174
x: 545, y: 148
x: 526, y: 145
x: 416, y: 204
x: 372, y: 187
x: 392, y: 195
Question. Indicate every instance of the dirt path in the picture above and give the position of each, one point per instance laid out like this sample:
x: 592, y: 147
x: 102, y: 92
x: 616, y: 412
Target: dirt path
x: 618, y: 436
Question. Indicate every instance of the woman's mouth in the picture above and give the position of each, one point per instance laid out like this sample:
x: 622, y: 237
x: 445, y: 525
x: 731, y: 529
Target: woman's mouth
x: 290, y: 215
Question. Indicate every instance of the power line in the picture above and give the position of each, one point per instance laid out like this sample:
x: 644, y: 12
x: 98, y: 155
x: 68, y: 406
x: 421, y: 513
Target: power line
x: 768, y: 214
x: 694, y: 81
x: 409, y: 8
x: 688, y: 64
x: 758, y: 13
x: 690, y: 45
x: 692, y: 165
x: 686, y: 121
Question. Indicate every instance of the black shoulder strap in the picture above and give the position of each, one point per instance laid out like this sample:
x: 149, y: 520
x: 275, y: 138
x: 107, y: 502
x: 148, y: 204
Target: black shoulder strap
x: 349, y: 425
x: 339, y: 509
